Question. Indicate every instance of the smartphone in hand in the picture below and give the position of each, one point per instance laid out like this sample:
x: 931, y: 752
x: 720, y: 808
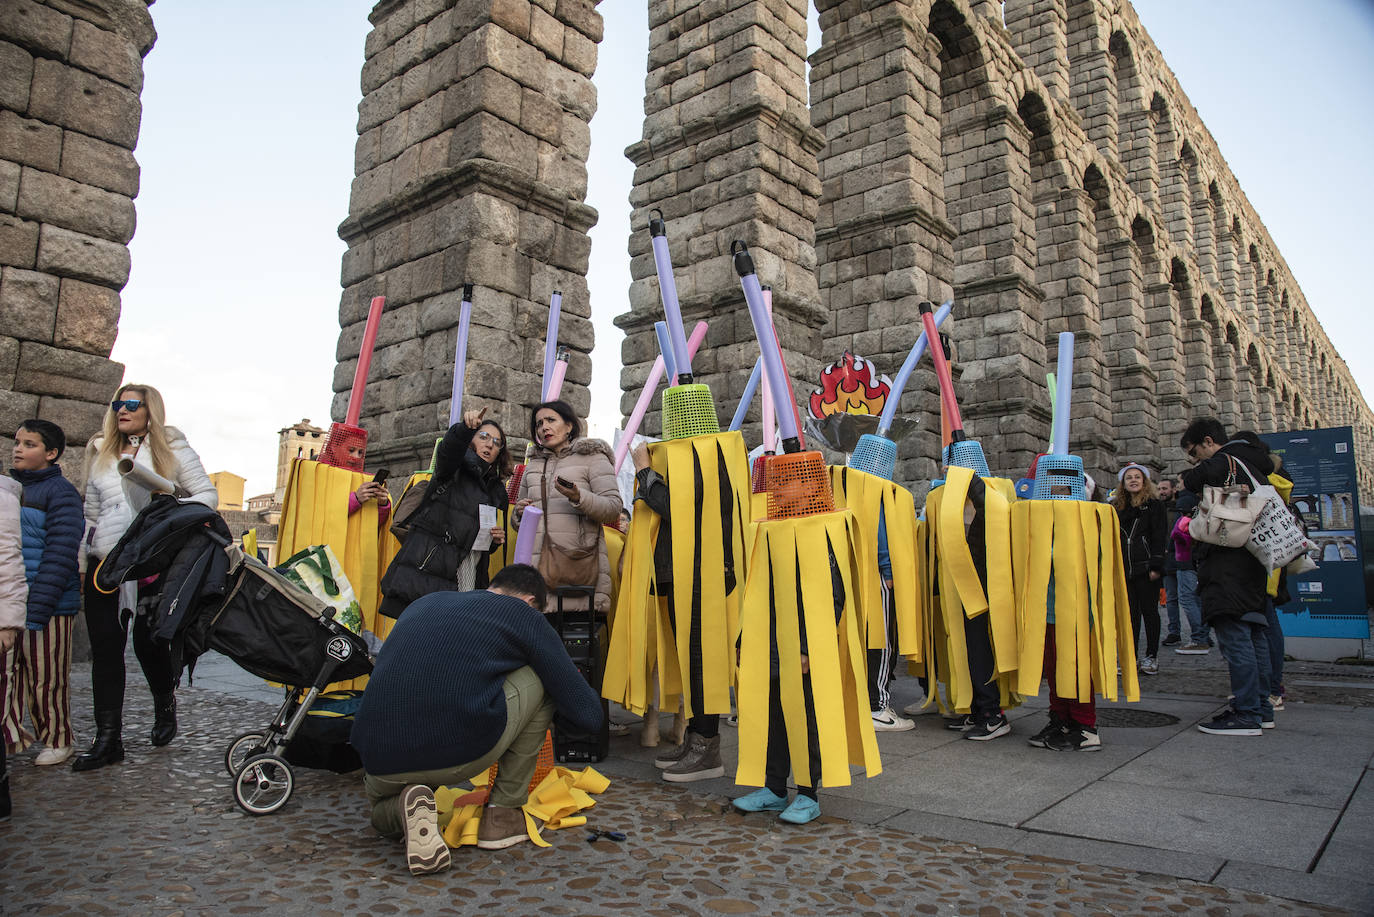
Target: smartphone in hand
x: 381, y: 476
x: 562, y: 482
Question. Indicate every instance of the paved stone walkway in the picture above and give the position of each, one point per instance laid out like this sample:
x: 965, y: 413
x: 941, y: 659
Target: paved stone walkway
x: 161, y: 835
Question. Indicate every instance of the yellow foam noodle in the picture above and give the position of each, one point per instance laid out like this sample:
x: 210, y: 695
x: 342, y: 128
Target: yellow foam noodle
x: 556, y: 802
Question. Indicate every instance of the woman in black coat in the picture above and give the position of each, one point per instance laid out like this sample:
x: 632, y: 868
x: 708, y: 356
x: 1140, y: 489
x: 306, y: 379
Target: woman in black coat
x: 437, y: 553
x: 1144, y: 537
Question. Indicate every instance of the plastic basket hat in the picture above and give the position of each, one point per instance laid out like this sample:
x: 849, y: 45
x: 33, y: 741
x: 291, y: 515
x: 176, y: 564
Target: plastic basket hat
x: 798, y: 485
x: 1059, y: 472
x: 758, y: 481
x: 688, y: 411
x: 876, y: 455
x: 967, y: 453
x: 345, y: 447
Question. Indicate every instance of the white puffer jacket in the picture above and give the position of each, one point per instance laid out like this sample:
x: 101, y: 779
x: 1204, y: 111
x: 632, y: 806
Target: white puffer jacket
x: 108, y: 512
x: 14, y: 588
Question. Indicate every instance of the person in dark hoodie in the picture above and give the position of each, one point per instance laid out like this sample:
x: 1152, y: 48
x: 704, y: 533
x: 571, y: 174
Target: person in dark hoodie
x: 465, y: 680
x: 36, y: 675
x: 1231, y: 582
x: 437, y: 554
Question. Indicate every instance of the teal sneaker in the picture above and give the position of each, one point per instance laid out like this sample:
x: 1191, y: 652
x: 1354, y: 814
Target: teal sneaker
x: 761, y: 800
x: 801, y: 811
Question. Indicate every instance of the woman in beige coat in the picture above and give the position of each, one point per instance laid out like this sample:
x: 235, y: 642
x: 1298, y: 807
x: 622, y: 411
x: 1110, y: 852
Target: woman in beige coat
x: 575, y: 478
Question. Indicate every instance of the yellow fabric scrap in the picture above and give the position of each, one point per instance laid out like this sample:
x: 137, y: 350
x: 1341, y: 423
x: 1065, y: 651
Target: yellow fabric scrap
x: 790, y: 565
x: 556, y: 802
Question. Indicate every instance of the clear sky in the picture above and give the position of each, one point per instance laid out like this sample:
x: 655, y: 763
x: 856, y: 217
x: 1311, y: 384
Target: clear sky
x: 249, y: 125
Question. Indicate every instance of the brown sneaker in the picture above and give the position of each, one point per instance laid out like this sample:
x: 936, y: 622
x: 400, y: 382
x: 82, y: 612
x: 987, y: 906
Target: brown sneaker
x: 670, y: 757
x: 701, y: 761
x: 426, y: 851
x: 501, y: 828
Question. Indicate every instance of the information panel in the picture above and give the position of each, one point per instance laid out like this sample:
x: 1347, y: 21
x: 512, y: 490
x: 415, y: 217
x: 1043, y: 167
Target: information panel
x: 1329, y: 601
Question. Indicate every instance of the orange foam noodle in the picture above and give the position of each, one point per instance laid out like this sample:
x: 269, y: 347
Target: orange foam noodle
x: 798, y: 485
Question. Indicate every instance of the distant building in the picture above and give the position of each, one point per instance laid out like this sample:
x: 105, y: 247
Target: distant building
x: 230, y: 487
x: 300, y: 440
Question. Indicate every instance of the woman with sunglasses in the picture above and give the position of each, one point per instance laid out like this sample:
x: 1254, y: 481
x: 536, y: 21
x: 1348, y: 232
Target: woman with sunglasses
x: 136, y: 428
x: 437, y: 553
x: 572, y: 481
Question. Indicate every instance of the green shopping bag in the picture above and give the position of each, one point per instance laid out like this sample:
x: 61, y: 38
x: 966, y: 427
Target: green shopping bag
x: 316, y: 570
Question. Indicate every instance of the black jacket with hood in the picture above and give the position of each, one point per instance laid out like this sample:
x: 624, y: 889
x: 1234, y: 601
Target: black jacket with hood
x: 444, y: 525
x: 1230, y: 581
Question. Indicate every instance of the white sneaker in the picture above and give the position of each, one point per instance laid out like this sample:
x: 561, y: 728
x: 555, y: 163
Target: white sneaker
x: 917, y: 708
x: 53, y: 755
x: 885, y: 720
x: 1149, y: 665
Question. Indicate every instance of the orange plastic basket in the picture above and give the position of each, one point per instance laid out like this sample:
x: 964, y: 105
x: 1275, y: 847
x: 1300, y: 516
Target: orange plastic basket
x: 545, y: 764
x: 798, y: 485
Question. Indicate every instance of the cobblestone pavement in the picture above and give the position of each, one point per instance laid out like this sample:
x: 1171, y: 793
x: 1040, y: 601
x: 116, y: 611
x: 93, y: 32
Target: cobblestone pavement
x: 160, y: 834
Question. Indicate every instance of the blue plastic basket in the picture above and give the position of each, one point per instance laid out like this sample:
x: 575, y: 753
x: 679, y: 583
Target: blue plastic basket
x: 1059, y: 470
x: 876, y: 455
x: 967, y: 453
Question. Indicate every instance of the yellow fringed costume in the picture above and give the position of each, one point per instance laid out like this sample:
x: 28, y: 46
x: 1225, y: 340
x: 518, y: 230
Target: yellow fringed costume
x: 641, y: 635
x: 788, y: 565
x: 871, y: 497
x: 960, y: 590
x: 315, y: 511
x: 1080, y: 543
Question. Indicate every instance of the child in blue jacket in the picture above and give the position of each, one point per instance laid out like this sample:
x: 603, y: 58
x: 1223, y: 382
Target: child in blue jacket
x: 35, y: 673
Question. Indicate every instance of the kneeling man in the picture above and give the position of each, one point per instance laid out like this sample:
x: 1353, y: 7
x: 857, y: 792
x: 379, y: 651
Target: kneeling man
x: 465, y: 679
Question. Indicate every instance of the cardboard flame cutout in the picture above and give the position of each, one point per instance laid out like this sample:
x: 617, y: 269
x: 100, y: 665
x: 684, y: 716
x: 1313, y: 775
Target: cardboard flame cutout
x: 851, y: 386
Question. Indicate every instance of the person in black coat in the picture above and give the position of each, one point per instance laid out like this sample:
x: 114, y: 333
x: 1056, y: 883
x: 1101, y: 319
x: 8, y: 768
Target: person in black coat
x: 1144, y: 537
x: 437, y: 553
x: 1231, y: 582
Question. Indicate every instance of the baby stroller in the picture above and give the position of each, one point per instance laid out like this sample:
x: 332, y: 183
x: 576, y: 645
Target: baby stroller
x: 213, y: 596
x: 277, y: 631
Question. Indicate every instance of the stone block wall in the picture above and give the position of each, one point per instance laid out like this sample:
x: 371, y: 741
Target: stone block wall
x: 470, y: 168
x: 70, y: 77
x: 728, y: 153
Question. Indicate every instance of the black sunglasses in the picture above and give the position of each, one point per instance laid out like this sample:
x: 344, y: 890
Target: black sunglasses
x: 129, y: 404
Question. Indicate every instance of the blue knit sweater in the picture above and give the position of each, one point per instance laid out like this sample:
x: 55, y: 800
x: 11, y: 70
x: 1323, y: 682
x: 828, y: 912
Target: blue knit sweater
x: 436, y: 698
x: 52, y: 521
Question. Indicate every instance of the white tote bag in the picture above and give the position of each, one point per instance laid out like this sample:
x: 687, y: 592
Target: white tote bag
x: 1226, y: 513
x: 1275, y: 538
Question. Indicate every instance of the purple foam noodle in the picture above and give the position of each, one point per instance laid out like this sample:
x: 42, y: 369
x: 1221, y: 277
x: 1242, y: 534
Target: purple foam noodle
x: 667, y: 291
x: 769, y: 418
x: 1063, y: 396
x: 665, y: 347
x: 460, y: 356
x: 524, y: 538
x: 773, y: 367
x: 551, y: 340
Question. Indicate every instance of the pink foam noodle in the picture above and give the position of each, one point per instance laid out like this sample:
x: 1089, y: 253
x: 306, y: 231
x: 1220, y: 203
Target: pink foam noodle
x: 460, y: 357
x: 646, y: 397
x: 355, y: 397
x: 560, y: 372
x: 524, y: 538
x: 551, y: 340
x: 770, y: 434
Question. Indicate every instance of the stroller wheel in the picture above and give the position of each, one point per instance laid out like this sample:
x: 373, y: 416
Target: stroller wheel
x: 243, y: 748
x: 263, y: 785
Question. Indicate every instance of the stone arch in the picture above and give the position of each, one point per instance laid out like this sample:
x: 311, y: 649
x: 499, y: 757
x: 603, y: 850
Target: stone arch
x: 1167, y: 309
x: 1131, y: 116
x: 1173, y: 193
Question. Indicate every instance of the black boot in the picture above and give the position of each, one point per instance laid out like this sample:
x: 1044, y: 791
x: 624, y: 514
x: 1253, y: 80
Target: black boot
x: 164, y: 718
x: 108, y: 747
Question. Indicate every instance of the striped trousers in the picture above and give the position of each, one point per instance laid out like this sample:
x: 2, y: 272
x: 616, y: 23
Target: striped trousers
x: 35, y: 676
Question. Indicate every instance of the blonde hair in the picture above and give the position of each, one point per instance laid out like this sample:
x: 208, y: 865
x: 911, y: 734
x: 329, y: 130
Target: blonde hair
x: 112, y: 442
x: 1121, y: 494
